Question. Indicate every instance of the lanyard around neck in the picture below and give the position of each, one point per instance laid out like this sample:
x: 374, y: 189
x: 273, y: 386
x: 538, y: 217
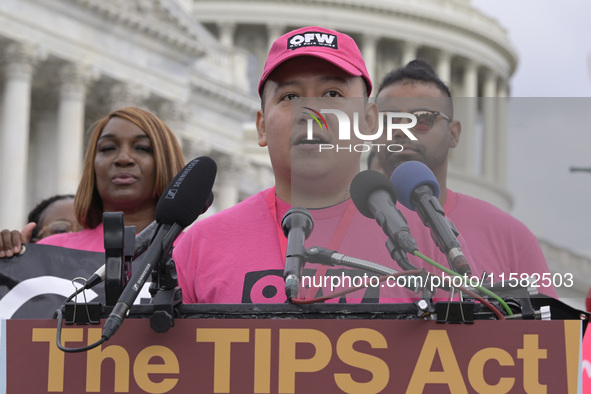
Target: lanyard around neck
x: 335, y: 242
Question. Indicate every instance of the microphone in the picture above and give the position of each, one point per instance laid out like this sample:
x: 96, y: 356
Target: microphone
x: 181, y: 203
x: 141, y: 243
x: 375, y: 197
x: 143, y: 239
x: 297, y: 224
x: 418, y: 190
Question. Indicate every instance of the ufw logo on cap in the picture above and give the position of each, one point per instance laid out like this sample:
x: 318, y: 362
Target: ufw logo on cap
x: 312, y: 39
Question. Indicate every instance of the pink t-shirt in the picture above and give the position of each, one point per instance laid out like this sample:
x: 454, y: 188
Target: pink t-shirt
x: 496, y: 240
x: 90, y: 240
x: 586, y: 361
x: 235, y: 256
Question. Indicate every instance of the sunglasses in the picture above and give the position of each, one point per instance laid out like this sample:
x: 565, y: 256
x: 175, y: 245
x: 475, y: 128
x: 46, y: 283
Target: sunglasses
x: 425, y: 119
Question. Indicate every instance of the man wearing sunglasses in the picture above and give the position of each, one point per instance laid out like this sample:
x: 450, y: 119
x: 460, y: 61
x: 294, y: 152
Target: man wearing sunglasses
x: 498, y: 243
x: 416, y: 89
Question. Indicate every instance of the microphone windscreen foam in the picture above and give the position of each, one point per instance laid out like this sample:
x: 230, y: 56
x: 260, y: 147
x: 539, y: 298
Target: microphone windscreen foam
x: 410, y: 175
x: 302, y: 218
x: 364, y: 184
x: 187, y: 195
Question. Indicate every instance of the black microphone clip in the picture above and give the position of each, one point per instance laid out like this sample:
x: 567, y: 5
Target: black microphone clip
x: 119, y: 244
x: 297, y: 225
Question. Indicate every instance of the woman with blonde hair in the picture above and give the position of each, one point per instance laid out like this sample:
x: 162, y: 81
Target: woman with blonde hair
x: 131, y: 158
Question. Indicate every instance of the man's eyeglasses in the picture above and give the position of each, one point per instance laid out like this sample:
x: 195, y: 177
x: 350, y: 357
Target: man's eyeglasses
x: 425, y: 119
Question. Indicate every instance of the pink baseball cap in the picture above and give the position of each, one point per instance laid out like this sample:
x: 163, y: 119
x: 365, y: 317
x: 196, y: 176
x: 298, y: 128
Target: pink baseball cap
x: 332, y: 46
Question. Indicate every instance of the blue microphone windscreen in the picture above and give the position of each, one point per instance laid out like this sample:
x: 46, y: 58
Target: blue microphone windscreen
x: 410, y: 175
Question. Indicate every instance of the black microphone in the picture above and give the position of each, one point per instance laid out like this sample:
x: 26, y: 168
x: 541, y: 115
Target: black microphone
x: 181, y: 203
x: 297, y: 224
x: 141, y: 243
x: 375, y: 197
x: 143, y: 239
x: 418, y: 190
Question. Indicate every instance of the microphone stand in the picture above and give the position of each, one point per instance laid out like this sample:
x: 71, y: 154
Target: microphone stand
x: 119, y: 249
x: 324, y: 256
x: 119, y: 241
x: 518, y: 297
x: 166, y: 293
x: 114, y: 242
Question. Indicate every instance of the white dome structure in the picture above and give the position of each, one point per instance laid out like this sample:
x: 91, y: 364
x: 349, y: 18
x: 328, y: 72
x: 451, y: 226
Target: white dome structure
x: 470, y: 52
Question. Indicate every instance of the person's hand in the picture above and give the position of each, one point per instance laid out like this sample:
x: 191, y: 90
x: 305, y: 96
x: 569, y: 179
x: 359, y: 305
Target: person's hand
x: 11, y: 241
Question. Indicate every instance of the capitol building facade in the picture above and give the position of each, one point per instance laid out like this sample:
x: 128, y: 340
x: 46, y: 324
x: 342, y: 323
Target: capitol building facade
x: 196, y: 65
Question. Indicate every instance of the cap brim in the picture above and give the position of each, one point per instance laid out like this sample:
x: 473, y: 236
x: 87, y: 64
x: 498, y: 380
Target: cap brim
x: 337, y: 61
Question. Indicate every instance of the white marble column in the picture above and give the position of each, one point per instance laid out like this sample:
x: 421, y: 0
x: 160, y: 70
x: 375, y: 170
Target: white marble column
x: 369, y: 47
x: 274, y: 31
x: 409, y: 52
x: 70, y: 125
x: 227, y: 30
x: 471, y: 79
x: 444, y: 67
x: 490, y: 140
x: 501, y: 153
x: 467, y: 111
x: 265, y: 177
x: 19, y: 64
x: 176, y: 115
x: 42, y: 150
x: 229, y: 171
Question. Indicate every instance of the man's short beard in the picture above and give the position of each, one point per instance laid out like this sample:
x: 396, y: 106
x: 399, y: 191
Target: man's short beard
x: 392, y: 165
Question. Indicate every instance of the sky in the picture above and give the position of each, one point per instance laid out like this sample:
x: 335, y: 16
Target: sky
x: 553, y: 41
x: 550, y: 116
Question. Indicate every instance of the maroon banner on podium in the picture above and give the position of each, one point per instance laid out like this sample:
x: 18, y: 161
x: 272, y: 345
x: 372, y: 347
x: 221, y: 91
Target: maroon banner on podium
x: 297, y: 356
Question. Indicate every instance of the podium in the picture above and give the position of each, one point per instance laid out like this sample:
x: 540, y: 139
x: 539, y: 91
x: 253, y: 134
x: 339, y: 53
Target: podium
x: 283, y: 348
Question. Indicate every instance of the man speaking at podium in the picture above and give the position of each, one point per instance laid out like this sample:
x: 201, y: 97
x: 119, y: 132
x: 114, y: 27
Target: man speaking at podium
x: 238, y: 255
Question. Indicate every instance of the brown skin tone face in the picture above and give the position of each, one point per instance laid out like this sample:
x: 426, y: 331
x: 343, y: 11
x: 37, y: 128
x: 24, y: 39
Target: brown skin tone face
x: 125, y: 172
x: 433, y: 145
x: 59, y: 217
x: 302, y: 172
